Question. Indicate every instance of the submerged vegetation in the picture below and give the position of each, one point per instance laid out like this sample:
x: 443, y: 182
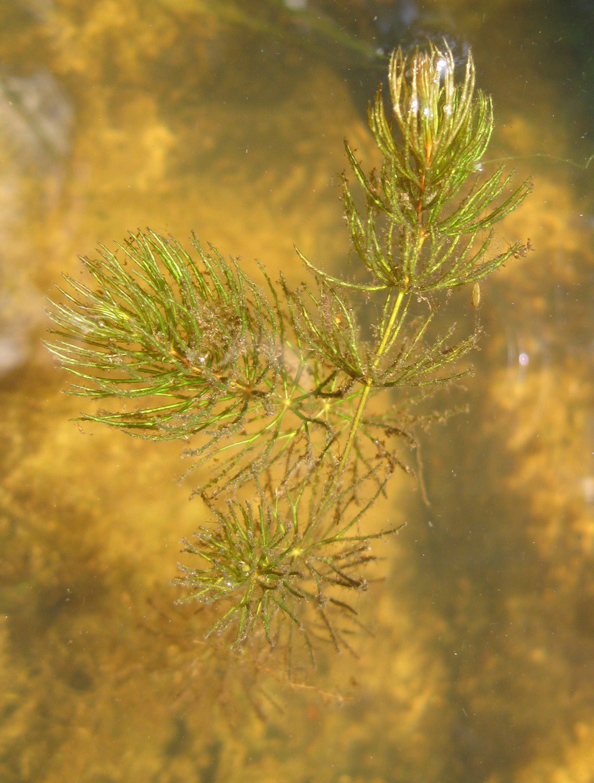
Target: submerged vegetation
x: 272, y: 384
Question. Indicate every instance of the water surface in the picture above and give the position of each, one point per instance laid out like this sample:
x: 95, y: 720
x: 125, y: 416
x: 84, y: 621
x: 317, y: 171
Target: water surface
x: 227, y: 118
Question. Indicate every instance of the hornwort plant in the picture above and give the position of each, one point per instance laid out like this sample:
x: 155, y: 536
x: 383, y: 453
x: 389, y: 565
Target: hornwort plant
x: 275, y: 383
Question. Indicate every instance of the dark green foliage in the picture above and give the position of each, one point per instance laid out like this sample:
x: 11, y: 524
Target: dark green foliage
x: 429, y: 213
x: 201, y: 337
x: 275, y: 383
x: 327, y: 324
x: 288, y: 561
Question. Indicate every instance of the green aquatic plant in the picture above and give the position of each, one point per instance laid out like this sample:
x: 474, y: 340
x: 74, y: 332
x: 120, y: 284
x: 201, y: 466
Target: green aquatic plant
x: 284, y: 567
x: 275, y: 383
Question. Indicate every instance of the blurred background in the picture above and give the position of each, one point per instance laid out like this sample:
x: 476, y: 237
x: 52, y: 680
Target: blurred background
x: 227, y: 118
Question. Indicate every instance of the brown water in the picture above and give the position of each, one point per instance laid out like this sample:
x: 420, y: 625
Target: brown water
x: 227, y: 118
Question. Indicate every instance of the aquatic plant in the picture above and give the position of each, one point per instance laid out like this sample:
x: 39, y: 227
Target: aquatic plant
x: 275, y: 383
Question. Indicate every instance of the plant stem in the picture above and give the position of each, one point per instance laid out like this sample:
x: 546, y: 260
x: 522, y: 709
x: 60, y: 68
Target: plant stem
x: 385, y: 340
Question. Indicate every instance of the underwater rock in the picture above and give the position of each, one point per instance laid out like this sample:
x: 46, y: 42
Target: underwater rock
x: 37, y: 117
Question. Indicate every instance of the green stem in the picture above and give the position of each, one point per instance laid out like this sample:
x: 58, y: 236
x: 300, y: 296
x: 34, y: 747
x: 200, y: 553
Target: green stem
x: 369, y: 382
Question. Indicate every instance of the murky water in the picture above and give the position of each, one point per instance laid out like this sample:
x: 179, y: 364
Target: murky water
x: 227, y: 118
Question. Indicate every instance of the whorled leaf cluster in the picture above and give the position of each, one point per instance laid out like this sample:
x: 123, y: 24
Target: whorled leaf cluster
x: 202, y: 338
x: 429, y: 212
x: 273, y: 385
x: 275, y: 563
